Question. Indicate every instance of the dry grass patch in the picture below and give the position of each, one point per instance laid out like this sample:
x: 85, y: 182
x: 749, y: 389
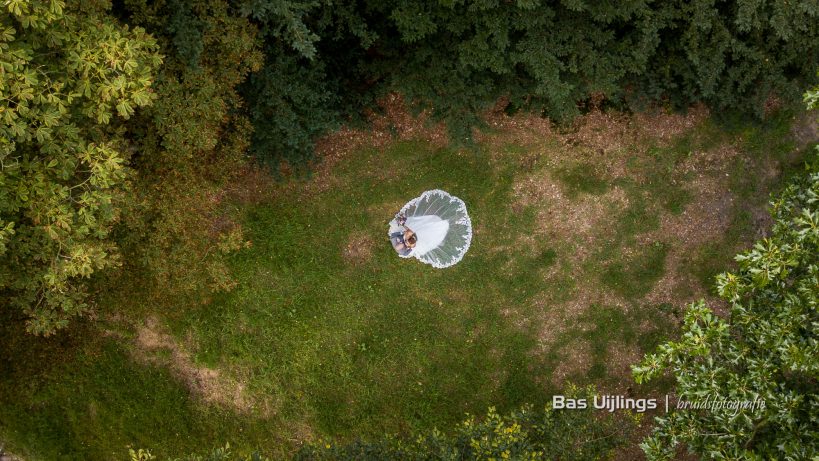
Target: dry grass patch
x: 393, y: 122
x: 359, y: 248
x: 212, y: 385
x: 577, y: 223
x: 619, y: 358
x: 600, y: 136
x: 705, y: 219
x: 805, y: 129
x: 574, y: 360
x: 628, y: 154
x: 555, y: 319
x: 252, y: 186
x: 664, y: 127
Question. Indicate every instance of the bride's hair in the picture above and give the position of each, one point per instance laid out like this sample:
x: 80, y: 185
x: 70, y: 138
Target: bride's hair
x: 411, y: 240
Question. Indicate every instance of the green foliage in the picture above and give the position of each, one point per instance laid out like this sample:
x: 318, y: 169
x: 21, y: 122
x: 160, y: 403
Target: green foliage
x: 186, y: 31
x: 192, y: 142
x: 542, y: 57
x: 524, y: 434
x: 290, y: 106
x: 732, y: 55
x: 68, y: 75
x: 768, y: 348
x: 314, y: 74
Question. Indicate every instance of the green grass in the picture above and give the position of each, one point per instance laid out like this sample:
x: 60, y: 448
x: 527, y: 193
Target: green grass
x: 582, y: 178
x: 715, y: 257
x: 82, y: 397
x: 345, y: 346
x: 766, y: 143
x: 633, y: 276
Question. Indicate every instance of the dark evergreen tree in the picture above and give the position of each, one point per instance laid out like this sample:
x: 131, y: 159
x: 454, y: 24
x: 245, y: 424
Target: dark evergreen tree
x: 732, y: 55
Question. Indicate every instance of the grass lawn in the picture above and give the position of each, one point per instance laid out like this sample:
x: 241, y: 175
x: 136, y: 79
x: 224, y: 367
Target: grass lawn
x: 587, y: 243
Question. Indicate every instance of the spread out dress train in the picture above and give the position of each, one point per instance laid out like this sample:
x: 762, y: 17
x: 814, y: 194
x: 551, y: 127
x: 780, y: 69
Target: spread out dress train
x: 442, y: 228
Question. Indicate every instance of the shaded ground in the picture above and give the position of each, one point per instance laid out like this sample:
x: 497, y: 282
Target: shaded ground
x: 588, y: 241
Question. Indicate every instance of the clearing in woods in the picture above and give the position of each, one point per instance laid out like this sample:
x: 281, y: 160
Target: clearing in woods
x: 588, y: 242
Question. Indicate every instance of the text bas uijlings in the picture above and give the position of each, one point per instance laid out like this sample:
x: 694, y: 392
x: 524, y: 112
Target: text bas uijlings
x: 604, y: 402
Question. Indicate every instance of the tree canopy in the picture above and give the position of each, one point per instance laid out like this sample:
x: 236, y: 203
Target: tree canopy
x: 70, y: 76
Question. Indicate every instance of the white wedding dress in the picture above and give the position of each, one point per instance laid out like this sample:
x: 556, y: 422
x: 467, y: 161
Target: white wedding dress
x: 442, y: 228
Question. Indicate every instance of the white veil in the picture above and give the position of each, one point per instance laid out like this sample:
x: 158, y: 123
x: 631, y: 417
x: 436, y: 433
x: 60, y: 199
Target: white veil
x: 441, y: 225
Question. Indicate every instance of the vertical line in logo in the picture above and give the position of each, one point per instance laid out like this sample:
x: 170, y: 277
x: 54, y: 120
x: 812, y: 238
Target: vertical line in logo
x: 666, y: 403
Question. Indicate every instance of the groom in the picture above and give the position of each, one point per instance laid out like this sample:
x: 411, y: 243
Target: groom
x: 402, y: 238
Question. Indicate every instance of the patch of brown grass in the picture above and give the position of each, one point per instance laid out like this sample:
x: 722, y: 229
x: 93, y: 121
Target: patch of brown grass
x: 393, y: 121
x: 212, y: 385
x: 619, y: 358
x: 603, y: 137
x: 579, y: 223
x: 359, y: 248
x: 583, y: 217
x: 575, y: 359
x: 662, y: 126
x: 252, y: 186
x: 555, y: 318
x: 805, y: 129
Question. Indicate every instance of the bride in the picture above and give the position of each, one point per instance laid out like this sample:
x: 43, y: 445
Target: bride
x: 434, y: 228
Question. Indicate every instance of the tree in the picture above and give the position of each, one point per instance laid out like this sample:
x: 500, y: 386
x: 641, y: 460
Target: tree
x: 768, y: 348
x: 732, y: 55
x: 192, y: 143
x: 454, y: 58
x: 69, y: 76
